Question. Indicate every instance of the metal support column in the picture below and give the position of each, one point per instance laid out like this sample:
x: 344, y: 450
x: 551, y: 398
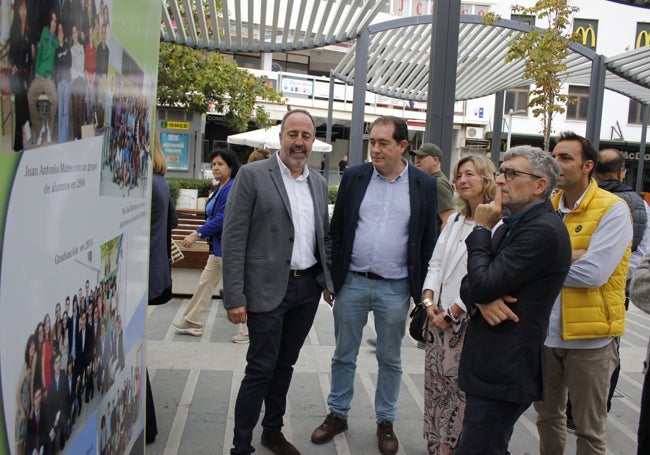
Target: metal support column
x: 442, y: 82
x: 495, y: 146
x: 328, y: 131
x: 359, y: 98
x: 645, y: 114
x: 596, y: 94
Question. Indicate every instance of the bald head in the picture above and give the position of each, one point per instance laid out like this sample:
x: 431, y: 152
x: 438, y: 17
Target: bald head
x: 610, y: 165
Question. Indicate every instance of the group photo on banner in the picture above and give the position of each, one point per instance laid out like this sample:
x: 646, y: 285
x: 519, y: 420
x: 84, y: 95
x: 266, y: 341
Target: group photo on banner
x: 78, y: 80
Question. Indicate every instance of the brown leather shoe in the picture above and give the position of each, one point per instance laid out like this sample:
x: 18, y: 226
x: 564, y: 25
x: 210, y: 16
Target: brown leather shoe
x: 276, y: 443
x: 387, y: 440
x: 331, y: 426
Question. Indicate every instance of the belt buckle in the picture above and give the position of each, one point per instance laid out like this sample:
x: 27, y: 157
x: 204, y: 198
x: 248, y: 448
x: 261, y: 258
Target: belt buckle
x: 367, y: 275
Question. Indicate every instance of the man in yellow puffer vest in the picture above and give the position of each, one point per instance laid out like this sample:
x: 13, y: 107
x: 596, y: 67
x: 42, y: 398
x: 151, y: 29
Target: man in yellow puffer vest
x: 590, y: 310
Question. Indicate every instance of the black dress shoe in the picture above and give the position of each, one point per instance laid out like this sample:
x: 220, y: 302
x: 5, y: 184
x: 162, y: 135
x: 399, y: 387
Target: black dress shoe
x: 387, y: 440
x: 276, y: 443
x: 331, y: 426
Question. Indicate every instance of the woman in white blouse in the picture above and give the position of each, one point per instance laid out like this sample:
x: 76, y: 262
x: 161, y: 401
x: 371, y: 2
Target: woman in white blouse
x: 444, y: 403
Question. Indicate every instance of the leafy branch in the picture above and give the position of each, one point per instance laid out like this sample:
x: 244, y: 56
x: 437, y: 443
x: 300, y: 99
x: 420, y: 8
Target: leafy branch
x: 544, y: 52
x: 193, y: 79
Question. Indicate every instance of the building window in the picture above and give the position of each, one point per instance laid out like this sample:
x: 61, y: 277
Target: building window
x: 525, y: 18
x: 635, y: 112
x: 292, y: 63
x: 517, y: 100
x: 586, y: 32
x: 578, y: 104
x: 474, y: 8
x: 251, y: 61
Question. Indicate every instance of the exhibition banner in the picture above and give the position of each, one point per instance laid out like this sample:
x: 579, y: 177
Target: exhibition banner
x: 78, y: 99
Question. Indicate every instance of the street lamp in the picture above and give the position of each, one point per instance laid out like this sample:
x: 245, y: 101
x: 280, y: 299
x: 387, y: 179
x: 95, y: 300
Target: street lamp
x: 510, y: 114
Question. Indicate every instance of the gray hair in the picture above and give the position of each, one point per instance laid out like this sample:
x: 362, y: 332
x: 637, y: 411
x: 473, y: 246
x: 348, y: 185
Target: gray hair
x: 540, y: 162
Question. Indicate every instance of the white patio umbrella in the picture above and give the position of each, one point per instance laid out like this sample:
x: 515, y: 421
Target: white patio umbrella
x: 270, y: 139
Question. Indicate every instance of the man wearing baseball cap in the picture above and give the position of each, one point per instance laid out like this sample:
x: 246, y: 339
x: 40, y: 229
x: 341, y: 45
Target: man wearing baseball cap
x: 427, y: 158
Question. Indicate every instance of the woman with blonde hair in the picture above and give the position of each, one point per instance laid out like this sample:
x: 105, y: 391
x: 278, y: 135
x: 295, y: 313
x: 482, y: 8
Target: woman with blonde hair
x: 163, y: 220
x: 444, y: 403
x: 258, y: 154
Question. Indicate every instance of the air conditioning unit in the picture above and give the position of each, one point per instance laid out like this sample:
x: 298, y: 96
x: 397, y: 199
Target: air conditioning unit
x: 474, y: 132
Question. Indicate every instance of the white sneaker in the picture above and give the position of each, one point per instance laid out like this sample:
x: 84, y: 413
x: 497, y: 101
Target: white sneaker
x: 188, y: 328
x: 240, y: 339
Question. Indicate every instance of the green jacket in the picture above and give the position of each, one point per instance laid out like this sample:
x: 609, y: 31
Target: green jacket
x: 45, y: 54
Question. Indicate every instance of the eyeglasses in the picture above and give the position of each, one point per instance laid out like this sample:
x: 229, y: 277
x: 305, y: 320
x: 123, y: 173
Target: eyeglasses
x: 510, y: 174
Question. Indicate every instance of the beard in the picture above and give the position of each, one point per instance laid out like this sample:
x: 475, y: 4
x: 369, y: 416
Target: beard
x: 296, y: 156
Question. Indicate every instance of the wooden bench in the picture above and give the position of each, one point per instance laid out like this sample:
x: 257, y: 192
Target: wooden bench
x: 197, y: 255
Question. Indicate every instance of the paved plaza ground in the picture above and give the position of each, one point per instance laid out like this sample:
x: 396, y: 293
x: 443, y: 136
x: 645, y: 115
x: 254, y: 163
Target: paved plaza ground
x: 195, y: 382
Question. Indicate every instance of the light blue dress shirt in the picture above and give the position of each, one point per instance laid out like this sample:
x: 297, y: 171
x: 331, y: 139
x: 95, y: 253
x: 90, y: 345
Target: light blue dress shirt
x: 381, y: 239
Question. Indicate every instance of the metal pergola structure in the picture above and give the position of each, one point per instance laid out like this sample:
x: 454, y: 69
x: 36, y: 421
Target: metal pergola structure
x: 264, y: 25
x: 398, y: 64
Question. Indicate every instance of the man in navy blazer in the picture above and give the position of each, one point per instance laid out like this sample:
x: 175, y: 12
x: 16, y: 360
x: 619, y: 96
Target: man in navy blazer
x: 274, y: 272
x: 383, y: 231
x: 512, y: 281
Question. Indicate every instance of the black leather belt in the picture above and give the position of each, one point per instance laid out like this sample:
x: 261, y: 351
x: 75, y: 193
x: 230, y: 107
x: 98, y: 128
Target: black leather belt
x: 302, y: 272
x: 369, y: 275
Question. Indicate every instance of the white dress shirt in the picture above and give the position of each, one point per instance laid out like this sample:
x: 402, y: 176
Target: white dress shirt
x: 302, y: 215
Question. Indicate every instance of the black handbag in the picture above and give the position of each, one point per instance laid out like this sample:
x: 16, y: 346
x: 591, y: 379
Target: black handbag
x: 418, y: 323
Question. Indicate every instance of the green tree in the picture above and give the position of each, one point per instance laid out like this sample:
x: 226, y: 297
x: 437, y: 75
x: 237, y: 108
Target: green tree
x: 544, y: 51
x: 193, y: 79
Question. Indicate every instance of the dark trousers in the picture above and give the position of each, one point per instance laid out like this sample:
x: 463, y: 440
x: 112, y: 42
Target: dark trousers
x: 276, y: 338
x: 150, y: 424
x: 90, y: 383
x: 21, y: 109
x: 78, y: 91
x: 644, y: 419
x: 488, y: 426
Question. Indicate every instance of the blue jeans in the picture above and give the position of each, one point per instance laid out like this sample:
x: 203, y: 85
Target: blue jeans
x: 389, y: 301
x: 63, y: 92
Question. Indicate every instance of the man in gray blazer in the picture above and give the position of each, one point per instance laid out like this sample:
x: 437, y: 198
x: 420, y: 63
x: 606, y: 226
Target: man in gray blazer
x: 274, y: 271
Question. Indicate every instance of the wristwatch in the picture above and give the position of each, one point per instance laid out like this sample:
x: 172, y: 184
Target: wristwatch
x: 427, y: 302
x: 199, y: 234
x: 450, y: 318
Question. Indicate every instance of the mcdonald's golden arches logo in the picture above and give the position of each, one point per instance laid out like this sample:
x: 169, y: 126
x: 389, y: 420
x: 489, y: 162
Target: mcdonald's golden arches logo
x: 585, y: 33
x: 642, y: 39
